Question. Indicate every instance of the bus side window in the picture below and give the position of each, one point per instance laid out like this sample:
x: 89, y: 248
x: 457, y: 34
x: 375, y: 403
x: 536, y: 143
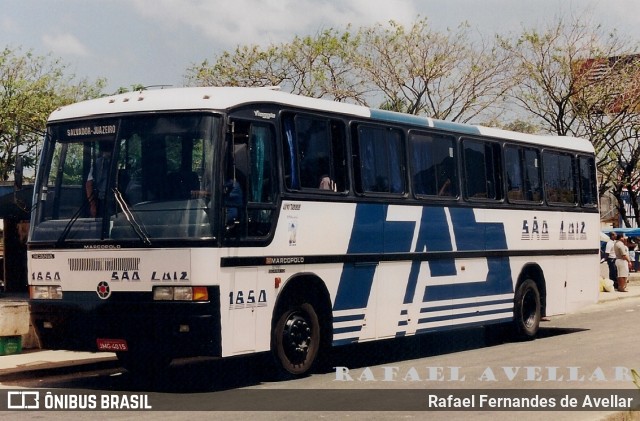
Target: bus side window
x: 249, y: 184
x: 559, y: 178
x: 523, y: 174
x: 433, y: 167
x: 532, y: 177
x: 515, y: 177
x: 483, y: 170
x: 379, y: 160
x: 315, y: 158
x: 588, y: 187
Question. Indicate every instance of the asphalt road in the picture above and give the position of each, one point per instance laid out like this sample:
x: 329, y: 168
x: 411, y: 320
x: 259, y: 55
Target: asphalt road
x: 588, y: 351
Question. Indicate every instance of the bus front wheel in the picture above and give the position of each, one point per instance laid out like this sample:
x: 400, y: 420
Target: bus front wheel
x: 296, y: 339
x: 527, y: 310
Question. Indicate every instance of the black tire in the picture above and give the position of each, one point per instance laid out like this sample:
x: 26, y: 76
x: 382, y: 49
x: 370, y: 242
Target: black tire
x: 296, y: 339
x: 527, y: 310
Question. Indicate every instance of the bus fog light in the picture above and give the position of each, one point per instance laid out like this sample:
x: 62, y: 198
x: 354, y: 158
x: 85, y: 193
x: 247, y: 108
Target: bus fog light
x: 183, y: 329
x: 162, y: 293
x: 45, y: 292
x: 55, y: 292
x: 39, y: 292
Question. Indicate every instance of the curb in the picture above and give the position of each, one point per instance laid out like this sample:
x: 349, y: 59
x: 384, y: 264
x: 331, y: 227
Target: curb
x: 50, y: 368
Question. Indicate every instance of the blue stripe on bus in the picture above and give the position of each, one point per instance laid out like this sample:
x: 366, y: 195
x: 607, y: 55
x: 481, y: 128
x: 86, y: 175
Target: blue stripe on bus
x: 463, y: 315
x: 350, y: 318
x: 498, y: 281
x: 462, y: 325
x: 445, y: 307
x: 433, y: 236
x: 347, y: 329
x: 357, y: 278
x: 473, y: 235
x: 370, y: 223
x: 470, y: 233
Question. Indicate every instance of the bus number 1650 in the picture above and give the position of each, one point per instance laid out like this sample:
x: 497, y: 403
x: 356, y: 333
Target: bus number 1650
x: 241, y: 299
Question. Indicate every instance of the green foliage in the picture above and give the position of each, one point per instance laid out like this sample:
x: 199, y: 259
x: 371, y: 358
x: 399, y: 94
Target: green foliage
x: 415, y: 69
x: 322, y: 66
x: 31, y: 87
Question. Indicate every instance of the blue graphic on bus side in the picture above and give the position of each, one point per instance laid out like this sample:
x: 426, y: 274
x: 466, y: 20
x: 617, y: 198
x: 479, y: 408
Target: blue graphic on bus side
x: 371, y: 224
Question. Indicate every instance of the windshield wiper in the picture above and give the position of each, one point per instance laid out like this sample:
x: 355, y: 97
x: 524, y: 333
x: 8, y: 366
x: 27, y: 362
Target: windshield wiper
x: 74, y: 218
x: 137, y: 228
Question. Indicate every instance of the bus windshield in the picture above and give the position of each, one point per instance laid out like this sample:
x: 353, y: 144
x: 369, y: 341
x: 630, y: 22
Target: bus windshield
x: 139, y: 178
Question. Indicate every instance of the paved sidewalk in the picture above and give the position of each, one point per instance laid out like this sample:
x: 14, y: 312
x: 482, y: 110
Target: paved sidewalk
x: 633, y: 290
x: 31, y: 360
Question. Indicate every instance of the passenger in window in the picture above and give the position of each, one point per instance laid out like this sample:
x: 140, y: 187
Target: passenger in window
x: 326, y: 183
x: 446, y: 177
x: 445, y: 190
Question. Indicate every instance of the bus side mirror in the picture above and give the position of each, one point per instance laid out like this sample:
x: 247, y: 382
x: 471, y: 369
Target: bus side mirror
x: 18, y: 174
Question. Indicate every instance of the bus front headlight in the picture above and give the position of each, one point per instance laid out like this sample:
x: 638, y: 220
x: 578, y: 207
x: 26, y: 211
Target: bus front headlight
x: 180, y: 294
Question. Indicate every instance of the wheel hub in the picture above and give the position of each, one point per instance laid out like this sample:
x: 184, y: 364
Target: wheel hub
x: 296, y: 337
x: 529, y: 309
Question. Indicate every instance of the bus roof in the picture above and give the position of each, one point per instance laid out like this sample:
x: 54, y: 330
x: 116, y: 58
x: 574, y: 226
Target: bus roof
x: 223, y: 98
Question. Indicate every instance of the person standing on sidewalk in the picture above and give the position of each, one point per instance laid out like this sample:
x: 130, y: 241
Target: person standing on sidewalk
x: 632, y: 246
x: 610, y: 254
x: 622, y: 262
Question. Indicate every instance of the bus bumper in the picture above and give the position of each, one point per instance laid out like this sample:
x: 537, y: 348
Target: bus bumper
x: 175, y: 328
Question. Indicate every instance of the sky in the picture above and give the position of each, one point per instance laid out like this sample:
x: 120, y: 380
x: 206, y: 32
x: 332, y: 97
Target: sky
x: 154, y: 42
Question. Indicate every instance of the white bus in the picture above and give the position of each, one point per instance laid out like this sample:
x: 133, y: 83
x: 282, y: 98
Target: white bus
x: 229, y: 221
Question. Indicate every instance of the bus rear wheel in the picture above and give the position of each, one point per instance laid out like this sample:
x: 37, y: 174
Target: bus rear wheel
x: 527, y: 310
x: 296, y: 339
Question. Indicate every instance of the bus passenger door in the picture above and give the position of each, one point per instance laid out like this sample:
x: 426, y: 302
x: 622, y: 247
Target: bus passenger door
x: 249, y: 197
x: 243, y: 297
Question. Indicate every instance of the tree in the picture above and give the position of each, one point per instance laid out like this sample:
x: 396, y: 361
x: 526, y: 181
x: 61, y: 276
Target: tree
x: 138, y: 87
x: 448, y: 76
x: 560, y: 87
x: 324, y: 66
x: 246, y: 66
x: 30, y: 88
x: 415, y: 70
x: 321, y: 66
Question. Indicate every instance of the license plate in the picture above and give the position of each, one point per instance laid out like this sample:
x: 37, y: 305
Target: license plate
x: 112, y: 345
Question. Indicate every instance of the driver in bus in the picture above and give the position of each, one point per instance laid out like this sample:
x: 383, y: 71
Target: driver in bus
x: 97, y: 180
